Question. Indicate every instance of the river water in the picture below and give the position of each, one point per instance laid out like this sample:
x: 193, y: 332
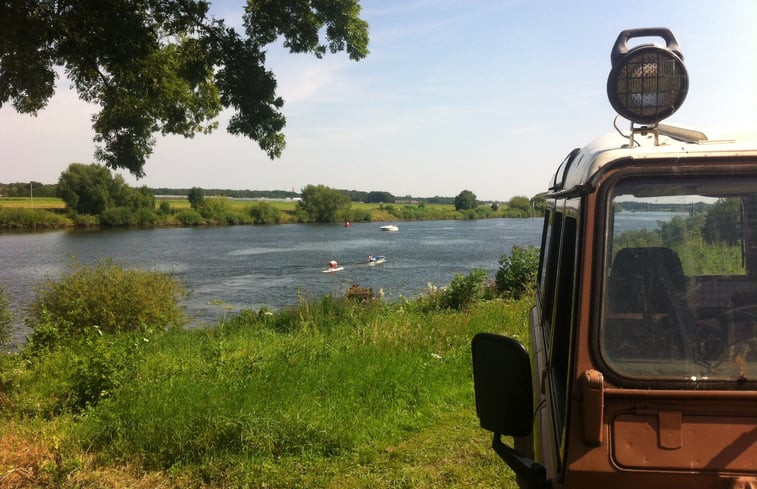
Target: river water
x: 226, y: 269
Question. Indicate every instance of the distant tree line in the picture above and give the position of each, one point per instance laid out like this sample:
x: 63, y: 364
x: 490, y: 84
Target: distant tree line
x: 22, y: 189
x: 27, y: 189
x: 234, y: 194
x: 94, y: 195
x: 689, y: 208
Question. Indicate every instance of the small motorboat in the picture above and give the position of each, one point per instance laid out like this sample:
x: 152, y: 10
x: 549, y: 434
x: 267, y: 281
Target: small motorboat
x: 376, y: 260
x: 390, y: 227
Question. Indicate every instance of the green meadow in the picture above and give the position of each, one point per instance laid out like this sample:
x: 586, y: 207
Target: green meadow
x: 328, y: 394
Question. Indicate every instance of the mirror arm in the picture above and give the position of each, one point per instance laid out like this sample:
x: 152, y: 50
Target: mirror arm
x: 529, y: 473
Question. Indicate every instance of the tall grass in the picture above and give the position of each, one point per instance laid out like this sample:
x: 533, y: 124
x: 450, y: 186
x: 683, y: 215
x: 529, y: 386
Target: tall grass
x: 22, y: 218
x: 321, y: 395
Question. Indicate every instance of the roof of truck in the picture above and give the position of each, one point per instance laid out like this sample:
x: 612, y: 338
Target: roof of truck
x: 582, y: 164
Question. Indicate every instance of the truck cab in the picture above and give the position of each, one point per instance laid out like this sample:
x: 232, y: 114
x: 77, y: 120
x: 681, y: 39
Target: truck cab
x: 641, y: 370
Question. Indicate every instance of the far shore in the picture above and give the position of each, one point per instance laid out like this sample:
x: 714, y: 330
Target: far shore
x: 23, y: 214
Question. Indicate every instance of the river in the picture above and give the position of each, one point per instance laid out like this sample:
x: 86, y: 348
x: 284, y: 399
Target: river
x: 226, y: 269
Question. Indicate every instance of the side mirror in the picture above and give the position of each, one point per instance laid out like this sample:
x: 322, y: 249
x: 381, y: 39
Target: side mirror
x: 502, y: 382
x: 504, y: 401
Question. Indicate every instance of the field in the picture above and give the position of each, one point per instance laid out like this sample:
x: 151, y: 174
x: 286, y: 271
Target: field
x: 178, y: 204
x: 36, y: 203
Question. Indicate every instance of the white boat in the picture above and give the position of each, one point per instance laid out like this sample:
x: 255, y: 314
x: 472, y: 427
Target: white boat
x: 390, y: 227
x: 376, y: 260
x: 333, y: 267
x: 332, y: 270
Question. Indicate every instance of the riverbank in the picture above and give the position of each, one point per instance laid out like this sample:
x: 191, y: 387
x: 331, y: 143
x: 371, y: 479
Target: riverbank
x: 327, y: 394
x: 50, y: 213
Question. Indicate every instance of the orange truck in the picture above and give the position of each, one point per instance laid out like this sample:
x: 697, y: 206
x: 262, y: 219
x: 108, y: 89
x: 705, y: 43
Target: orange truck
x: 641, y: 370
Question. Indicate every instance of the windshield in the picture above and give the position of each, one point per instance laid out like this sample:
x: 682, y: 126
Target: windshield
x: 680, y: 286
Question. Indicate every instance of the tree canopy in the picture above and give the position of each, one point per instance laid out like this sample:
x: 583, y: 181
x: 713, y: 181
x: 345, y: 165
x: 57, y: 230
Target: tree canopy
x: 165, y: 66
x: 323, y: 204
x: 380, y: 197
x: 93, y: 189
x: 195, y: 197
x: 90, y: 189
x: 723, y: 222
x: 465, y: 200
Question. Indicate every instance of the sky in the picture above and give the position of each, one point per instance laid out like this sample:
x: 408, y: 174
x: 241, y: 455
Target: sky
x: 480, y: 95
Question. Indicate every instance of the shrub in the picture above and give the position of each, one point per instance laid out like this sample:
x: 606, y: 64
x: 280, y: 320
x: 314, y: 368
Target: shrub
x: 83, y: 220
x: 118, y: 216
x: 234, y: 217
x: 189, y: 217
x: 109, y: 297
x: 517, y: 273
x: 460, y: 294
x: 20, y: 218
x: 99, y: 368
x: 6, y: 317
x: 215, y: 208
x: 357, y: 215
x: 265, y: 213
x: 164, y: 208
x: 464, y: 290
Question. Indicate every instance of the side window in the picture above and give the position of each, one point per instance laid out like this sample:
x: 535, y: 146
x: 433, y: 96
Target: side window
x: 545, y: 237
x: 559, y: 346
x: 557, y: 295
x: 550, y: 249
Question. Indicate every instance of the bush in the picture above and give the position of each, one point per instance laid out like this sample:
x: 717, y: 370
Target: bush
x: 118, y: 216
x: 164, y: 208
x: 357, y: 215
x: 20, y: 218
x: 101, y: 366
x: 189, y: 217
x: 460, y: 294
x: 517, y: 273
x: 215, y: 208
x: 84, y: 220
x: 107, y: 296
x: 265, y: 213
x: 6, y: 317
x: 464, y: 290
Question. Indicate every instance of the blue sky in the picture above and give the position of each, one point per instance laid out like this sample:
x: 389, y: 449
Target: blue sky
x: 487, y: 96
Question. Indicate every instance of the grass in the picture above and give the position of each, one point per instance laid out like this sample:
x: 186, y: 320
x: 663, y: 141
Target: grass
x: 329, y: 394
x: 36, y: 203
x: 179, y: 204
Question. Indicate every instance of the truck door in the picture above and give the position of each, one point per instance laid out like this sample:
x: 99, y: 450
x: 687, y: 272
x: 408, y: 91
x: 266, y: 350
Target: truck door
x: 552, y: 333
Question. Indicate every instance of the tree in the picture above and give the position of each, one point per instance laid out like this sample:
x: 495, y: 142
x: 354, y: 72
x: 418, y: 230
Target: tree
x: 722, y: 224
x: 195, y: 197
x: 323, y: 204
x: 90, y: 189
x: 165, y: 66
x: 465, y: 200
x: 520, y: 203
x: 539, y: 203
x: 380, y: 198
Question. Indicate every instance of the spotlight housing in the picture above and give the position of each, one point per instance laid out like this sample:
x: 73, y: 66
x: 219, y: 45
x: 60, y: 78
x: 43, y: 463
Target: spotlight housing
x: 648, y: 82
